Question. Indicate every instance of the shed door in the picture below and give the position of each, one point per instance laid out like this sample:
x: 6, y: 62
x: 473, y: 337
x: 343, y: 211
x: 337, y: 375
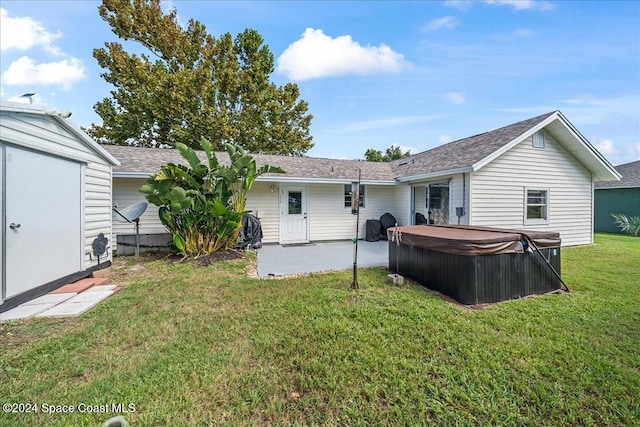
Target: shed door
x: 43, y: 228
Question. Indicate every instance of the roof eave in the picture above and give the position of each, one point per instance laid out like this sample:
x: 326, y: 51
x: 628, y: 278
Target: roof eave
x: 282, y: 179
x: 423, y: 176
x: 16, y: 107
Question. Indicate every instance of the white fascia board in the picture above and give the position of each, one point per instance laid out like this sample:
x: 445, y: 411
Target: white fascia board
x: 586, y: 144
x: 273, y: 179
x: 491, y: 157
x: 436, y: 174
x: 132, y: 174
x: 17, y: 107
x: 86, y: 139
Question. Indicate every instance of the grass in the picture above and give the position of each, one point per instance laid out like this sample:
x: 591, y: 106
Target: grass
x: 206, y: 346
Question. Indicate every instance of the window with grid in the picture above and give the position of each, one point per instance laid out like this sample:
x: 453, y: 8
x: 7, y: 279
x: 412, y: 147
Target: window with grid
x: 347, y: 196
x: 537, y: 204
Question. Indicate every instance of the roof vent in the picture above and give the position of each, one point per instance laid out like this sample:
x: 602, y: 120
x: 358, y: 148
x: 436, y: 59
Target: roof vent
x: 407, y: 161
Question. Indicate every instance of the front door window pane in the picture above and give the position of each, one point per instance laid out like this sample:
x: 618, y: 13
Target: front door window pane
x: 295, y: 202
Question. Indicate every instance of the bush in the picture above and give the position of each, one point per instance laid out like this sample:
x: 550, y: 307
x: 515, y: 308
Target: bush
x: 628, y: 224
x: 202, y: 204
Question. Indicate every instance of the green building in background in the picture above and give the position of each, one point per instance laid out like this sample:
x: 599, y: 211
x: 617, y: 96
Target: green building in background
x: 617, y: 197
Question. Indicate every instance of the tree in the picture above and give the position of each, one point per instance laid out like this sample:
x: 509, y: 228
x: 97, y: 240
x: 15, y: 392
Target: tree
x: 393, y: 153
x: 202, y: 204
x: 189, y: 85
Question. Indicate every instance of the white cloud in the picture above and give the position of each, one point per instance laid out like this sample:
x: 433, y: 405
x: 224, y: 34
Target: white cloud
x: 443, y: 139
x: 459, y: 4
x: 446, y: 22
x: 405, y: 148
x: 391, y: 122
x: 542, y: 6
x: 24, y: 71
x: 317, y: 55
x: 607, y: 147
x: 457, y: 98
x: 22, y: 33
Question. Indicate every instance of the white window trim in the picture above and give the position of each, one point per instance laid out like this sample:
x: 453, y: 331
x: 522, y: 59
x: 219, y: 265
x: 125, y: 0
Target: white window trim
x: 537, y: 221
x: 364, y: 199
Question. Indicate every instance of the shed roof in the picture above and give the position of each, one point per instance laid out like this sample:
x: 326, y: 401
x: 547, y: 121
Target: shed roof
x: 63, y: 120
x: 630, y: 176
x: 141, y: 162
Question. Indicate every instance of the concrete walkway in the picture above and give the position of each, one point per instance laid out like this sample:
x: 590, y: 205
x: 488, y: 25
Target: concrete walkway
x: 277, y: 260
x: 67, y: 301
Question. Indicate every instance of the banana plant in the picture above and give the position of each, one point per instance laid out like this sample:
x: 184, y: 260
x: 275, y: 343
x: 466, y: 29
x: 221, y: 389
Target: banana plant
x: 202, y: 204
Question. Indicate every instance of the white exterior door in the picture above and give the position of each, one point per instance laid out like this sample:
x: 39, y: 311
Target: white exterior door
x: 43, y: 219
x: 294, y: 223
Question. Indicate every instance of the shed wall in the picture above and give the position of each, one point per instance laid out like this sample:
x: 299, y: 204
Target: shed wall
x: 41, y: 133
x: 498, y: 191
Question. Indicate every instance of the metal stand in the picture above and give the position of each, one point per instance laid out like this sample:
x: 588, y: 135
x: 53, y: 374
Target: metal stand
x: 355, y: 201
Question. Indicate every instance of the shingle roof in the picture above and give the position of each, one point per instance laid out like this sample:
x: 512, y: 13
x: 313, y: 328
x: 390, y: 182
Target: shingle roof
x: 149, y: 160
x: 463, y: 152
x: 454, y: 155
x: 630, y: 176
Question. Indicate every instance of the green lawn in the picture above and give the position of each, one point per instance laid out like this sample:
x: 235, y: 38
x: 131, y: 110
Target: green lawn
x: 205, y: 346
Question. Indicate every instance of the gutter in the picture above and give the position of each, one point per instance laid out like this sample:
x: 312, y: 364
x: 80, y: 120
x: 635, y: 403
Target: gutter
x: 437, y: 174
x: 282, y: 179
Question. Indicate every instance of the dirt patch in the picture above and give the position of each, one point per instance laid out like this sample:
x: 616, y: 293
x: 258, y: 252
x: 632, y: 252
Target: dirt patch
x: 212, y: 258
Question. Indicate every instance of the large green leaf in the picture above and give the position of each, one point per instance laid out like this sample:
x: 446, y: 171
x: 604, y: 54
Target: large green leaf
x: 189, y: 155
x: 179, y: 199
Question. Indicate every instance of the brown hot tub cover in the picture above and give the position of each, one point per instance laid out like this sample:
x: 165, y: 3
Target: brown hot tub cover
x: 472, y: 240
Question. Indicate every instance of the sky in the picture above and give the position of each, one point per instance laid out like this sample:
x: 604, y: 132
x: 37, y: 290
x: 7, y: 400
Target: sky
x: 413, y: 74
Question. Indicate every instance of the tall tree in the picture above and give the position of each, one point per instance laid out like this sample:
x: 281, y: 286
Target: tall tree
x: 394, y: 152
x: 188, y: 85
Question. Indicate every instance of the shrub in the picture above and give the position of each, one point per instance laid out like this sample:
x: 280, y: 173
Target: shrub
x: 202, y: 204
x: 628, y: 224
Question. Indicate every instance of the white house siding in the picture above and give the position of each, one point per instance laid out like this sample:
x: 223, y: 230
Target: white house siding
x: 497, y: 191
x: 459, y: 197
x: 41, y: 133
x: 330, y: 220
x: 402, y: 203
x: 125, y: 193
x: 264, y: 204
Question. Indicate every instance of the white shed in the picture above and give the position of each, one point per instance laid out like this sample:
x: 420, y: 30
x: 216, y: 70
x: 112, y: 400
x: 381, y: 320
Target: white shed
x: 56, y: 200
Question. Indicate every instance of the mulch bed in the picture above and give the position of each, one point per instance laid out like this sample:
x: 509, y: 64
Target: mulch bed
x: 207, y: 260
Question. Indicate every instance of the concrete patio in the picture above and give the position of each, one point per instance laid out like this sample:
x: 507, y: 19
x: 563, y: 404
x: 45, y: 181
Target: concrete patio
x: 277, y: 260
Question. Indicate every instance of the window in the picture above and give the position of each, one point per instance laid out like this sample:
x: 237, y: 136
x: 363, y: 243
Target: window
x: 347, y: 196
x: 434, y: 195
x: 539, y: 139
x: 537, y: 205
x: 295, y: 203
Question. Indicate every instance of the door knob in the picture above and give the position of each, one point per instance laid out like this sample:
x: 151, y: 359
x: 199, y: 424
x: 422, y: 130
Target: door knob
x: 13, y: 226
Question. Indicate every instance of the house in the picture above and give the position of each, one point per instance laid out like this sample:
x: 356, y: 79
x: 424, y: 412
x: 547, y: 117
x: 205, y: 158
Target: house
x: 56, y: 200
x: 535, y: 174
x: 622, y: 197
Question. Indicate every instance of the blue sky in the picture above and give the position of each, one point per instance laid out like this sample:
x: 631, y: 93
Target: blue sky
x: 414, y: 74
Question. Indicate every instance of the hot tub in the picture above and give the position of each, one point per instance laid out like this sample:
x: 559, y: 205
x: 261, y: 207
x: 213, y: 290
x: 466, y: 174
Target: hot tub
x: 476, y: 265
